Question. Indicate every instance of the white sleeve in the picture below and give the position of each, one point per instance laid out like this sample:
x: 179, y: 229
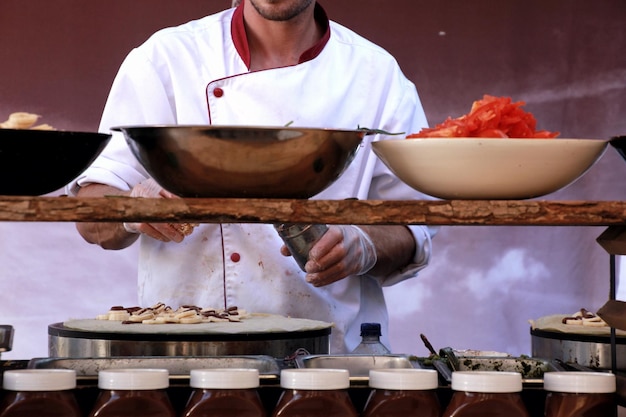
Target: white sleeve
x: 403, y: 113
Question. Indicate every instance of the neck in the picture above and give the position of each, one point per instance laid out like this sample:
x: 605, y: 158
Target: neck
x: 275, y: 43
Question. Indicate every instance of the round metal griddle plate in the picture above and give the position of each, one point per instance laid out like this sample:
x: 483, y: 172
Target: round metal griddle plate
x: 66, y: 342
x: 588, y: 350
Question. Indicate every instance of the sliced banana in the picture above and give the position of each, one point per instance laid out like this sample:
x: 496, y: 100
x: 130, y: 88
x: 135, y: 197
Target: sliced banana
x: 191, y: 320
x: 24, y: 120
x: 160, y: 314
x: 584, y: 317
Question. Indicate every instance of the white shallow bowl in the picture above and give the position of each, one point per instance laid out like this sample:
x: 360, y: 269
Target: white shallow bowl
x: 489, y: 168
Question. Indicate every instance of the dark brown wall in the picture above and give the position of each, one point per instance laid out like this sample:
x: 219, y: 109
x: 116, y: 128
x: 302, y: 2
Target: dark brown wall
x: 59, y: 57
x: 564, y: 57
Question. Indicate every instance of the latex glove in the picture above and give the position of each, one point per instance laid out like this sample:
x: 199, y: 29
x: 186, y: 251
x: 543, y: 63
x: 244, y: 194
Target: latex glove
x: 164, y: 232
x: 342, y: 251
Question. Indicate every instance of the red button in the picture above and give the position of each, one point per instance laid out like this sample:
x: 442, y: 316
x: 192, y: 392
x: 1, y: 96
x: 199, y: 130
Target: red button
x: 235, y: 257
x: 218, y: 92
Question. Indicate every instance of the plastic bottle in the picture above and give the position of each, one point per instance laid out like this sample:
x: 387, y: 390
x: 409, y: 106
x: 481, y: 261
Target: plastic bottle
x: 314, y: 392
x: 40, y: 393
x: 133, y: 393
x: 580, y: 394
x: 224, y: 393
x: 486, y: 393
x: 399, y: 392
x: 370, y: 341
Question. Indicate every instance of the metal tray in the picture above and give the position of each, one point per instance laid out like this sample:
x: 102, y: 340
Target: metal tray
x: 358, y: 365
x: 532, y: 369
x: 179, y: 367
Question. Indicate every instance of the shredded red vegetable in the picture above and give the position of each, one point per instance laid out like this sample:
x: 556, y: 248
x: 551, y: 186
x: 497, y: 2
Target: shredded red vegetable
x: 491, y: 117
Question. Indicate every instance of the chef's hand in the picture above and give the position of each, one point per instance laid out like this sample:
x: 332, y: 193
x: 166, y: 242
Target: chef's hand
x: 340, y: 252
x: 164, y: 232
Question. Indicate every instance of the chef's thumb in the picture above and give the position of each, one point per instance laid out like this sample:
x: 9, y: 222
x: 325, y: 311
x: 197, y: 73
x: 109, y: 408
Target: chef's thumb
x: 150, y: 189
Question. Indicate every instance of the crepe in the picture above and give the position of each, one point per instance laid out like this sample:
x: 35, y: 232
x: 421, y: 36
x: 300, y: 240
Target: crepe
x: 254, y: 323
x: 554, y: 323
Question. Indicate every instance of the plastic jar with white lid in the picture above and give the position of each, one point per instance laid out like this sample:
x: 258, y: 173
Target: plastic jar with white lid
x: 314, y: 392
x: 580, y: 394
x: 480, y: 393
x: 39, y: 392
x: 228, y: 392
x: 133, y: 393
x: 403, y: 392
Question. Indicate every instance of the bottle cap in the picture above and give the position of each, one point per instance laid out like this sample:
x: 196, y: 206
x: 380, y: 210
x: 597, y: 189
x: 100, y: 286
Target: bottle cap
x: 370, y: 329
x: 315, y: 379
x: 133, y: 379
x: 487, y: 381
x: 403, y: 379
x: 579, y: 382
x: 39, y: 380
x: 231, y: 378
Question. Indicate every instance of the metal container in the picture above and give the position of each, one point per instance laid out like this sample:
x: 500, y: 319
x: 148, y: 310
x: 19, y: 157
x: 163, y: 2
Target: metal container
x: 300, y: 238
x: 72, y: 343
x: 357, y: 365
x: 587, y: 350
x: 619, y: 143
x: 6, y: 338
x: 178, y: 367
x: 532, y: 369
x: 243, y: 161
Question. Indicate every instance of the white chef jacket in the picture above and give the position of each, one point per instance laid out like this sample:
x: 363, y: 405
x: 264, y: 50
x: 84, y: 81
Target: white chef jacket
x: 196, y: 73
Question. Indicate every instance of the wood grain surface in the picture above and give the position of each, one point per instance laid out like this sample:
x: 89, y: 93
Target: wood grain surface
x: 437, y: 212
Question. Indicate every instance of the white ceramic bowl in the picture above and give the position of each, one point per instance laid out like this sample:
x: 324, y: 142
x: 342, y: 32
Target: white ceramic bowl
x: 489, y: 169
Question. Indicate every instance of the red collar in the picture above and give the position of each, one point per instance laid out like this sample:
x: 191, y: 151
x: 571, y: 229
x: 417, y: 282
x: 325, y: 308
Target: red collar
x: 238, y: 33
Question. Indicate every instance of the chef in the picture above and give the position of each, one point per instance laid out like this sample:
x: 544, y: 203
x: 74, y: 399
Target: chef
x: 264, y: 62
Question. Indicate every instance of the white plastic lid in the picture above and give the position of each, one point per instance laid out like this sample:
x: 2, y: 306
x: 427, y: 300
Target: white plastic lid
x: 579, y: 382
x: 487, y: 381
x: 133, y: 379
x: 39, y: 380
x: 403, y: 379
x: 230, y: 378
x: 315, y: 379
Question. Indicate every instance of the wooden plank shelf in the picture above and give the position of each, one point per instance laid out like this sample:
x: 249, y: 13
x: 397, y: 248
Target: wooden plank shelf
x: 366, y: 212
